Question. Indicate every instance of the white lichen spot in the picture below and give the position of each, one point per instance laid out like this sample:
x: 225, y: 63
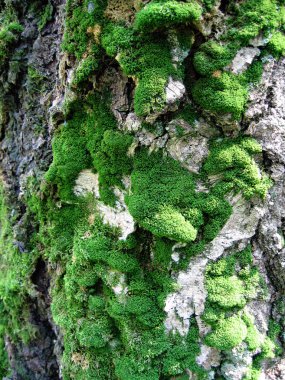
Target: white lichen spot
x: 87, y: 182
x: 209, y: 357
x: 189, y: 299
x: 118, y: 216
x: 174, y: 91
x: 244, y: 59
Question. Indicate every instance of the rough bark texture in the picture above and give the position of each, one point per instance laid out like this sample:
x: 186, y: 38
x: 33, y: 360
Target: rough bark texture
x: 142, y: 202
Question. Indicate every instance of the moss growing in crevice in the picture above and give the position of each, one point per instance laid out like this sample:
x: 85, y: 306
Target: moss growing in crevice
x: 231, y: 283
x: 10, y: 31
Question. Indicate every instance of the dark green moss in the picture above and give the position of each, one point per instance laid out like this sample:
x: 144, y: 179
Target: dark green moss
x: 10, y: 31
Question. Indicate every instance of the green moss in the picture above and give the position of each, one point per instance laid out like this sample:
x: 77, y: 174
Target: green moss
x: 251, y: 17
x: 16, y: 269
x: 231, y: 283
x: 10, y: 31
x: 166, y: 14
x: 112, y: 160
x: 232, y: 161
x: 222, y: 94
x: 46, y: 16
x: 226, y: 292
x: 228, y: 333
x: 80, y: 17
x: 86, y: 67
x: 276, y: 45
x: 212, y: 56
x: 70, y: 155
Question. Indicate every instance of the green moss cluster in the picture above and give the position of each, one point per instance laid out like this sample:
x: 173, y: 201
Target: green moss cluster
x: 88, y: 140
x: 253, y: 16
x: 164, y: 200
x: 219, y: 91
x: 276, y: 45
x: 221, y: 94
x: 212, y: 56
x: 10, y: 31
x: 232, y: 282
x: 46, y: 16
x: 231, y: 160
x: 15, y: 285
x: 165, y: 14
x: 116, y: 335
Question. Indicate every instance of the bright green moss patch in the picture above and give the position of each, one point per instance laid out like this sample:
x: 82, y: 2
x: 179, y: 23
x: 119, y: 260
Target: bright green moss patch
x: 276, y: 45
x: 232, y: 161
x: 251, y: 17
x: 227, y: 292
x: 86, y: 67
x: 221, y: 94
x: 70, y: 155
x: 228, y: 333
x: 112, y: 161
x: 80, y: 17
x: 166, y: 14
x: 109, y: 311
x: 227, y: 284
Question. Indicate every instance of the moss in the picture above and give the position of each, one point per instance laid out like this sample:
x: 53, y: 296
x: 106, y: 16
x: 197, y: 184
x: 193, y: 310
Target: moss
x: 80, y: 19
x: 221, y: 94
x: 86, y: 67
x: 228, y: 293
x: 208, y: 4
x: 70, y: 156
x: 231, y: 159
x: 112, y: 160
x: 166, y: 14
x: 276, y: 45
x: 10, y: 31
x: 254, y: 339
x: 251, y: 17
x: 16, y: 269
x: 212, y: 56
x: 228, y: 333
x: 46, y: 16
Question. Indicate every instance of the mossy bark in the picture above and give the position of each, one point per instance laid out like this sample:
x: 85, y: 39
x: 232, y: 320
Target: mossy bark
x: 141, y: 194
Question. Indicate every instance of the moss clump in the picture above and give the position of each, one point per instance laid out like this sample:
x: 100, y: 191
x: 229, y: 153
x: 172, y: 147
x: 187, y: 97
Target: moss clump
x: 221, y: 94
x: 166, y: 14
x: 227, y: 282
x: 10, y: 31
x: 251, y: 17
x: 112, y: 161
x: 231, y: 160
x: 86, y: 67
x: 228, y: 333
x: 212, y: 56
x: 80, y: 19
x: 276, y: 45
x: 70, y: 155
x: 16, y: 269
x: 148, y: 59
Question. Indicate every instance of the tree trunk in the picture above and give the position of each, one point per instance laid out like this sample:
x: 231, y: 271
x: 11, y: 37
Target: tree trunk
x: 142, y: 189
